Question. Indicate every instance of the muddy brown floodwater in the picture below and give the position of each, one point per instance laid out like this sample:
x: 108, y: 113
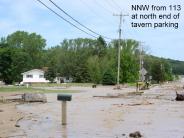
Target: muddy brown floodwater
x: 155, y: 114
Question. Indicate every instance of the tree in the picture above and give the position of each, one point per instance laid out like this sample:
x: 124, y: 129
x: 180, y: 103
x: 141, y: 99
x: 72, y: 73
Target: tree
x: 20, y: 51
x: 50, y: 74
x: 32, y: 44
x: 20, y: 63
x: 160, y: 69
x: 5, y: 64
x: 83, y: 59
x: 72, y: 58
x: 157, y: 71
x: 94, y: 69
x: 108, y: 78
x: 12, y: 63
x: 100, y: 47
x: 129, y: 67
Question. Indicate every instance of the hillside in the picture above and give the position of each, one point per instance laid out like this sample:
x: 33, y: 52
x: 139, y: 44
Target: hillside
x: 177, y: 66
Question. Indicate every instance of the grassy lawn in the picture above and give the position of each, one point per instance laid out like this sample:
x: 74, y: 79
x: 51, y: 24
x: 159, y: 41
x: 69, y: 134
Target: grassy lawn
x: 132, y: 84
x: 22, y: 89
x: 62, y: 84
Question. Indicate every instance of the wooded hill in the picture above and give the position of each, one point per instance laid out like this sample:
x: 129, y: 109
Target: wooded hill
x: 176, y: 65
x: 83, y: 59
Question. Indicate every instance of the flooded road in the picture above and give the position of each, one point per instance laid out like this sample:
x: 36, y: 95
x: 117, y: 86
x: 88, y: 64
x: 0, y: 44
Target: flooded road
x: 155, y: 114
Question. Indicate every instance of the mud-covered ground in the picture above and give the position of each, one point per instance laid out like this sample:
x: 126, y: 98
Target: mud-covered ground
x: 9, y: 116
x: 103, y: 112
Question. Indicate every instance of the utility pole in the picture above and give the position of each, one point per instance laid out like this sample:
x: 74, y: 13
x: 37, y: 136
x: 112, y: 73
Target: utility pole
x: 119, y: 46
x: 140, y: 60
x: 162, y: 72
x: 141, y: 71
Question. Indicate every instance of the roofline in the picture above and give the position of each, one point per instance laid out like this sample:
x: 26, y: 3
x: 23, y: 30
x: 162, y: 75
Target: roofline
x: 32, y: 70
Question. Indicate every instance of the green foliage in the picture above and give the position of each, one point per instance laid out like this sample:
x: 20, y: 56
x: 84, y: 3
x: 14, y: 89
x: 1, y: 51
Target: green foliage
x: 177, y: 66
x: 84, y: 60
x: 22, y: 89
x: 32, y: 44
x: 157, y: 71
x: 6, y: 63
x: 100, y: 47
x: 129, y: 62
x: 159, y: 68
x: 94, y: 69
x: 72, y: 57
x: 20, y: 52
x: 50, y: 74
x: 108, y: 78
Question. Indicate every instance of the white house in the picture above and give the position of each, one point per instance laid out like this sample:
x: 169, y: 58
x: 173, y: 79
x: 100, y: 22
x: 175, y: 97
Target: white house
x: 34, y: 76
x: 63, y: 79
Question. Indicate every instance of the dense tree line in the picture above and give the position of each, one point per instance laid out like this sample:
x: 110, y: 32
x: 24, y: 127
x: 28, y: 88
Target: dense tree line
x: 83, y: 59
x: 159, y: 68
x: 177, y: 66
x: 20, y: 52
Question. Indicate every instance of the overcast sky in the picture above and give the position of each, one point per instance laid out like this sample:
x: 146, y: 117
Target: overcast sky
x: 31, y: 16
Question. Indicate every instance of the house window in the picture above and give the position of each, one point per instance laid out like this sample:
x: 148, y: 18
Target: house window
x: 41, y: 76
x: 29, y: 76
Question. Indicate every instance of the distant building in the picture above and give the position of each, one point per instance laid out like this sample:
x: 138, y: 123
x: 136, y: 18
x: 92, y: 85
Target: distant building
x: 143, y: 73
x: 34, y: 76
x: 1, y: 82
x: 37, y: 76
x: 63, y: 80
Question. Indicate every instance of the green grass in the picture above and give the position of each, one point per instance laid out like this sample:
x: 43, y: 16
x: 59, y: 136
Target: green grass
x: 132, y: 84
x: 22, y: 89
x: 62, y: 85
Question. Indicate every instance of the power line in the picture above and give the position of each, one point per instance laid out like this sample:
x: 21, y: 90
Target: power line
x: 77, y: 20
x: 116, y: 4
x: 112, y: 5
x: 100, y: 5
x: 65, y: 19
x: 96, y: 13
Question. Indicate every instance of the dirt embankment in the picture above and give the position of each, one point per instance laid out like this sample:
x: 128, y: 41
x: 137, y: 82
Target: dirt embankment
x: 9, y: 116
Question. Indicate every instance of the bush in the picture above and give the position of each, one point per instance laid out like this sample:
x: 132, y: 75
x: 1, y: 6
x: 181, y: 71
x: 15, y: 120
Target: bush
x: 108, y: 78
